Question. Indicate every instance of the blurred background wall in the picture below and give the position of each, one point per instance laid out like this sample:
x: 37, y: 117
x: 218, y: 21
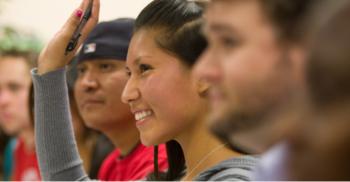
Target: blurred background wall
x: 45, y: 17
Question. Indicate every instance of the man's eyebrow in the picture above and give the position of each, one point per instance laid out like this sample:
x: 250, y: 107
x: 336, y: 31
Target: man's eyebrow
x: 219, y: 27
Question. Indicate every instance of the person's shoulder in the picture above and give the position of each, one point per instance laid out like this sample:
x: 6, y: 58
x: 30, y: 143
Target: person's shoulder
x: 110, y: 159
x: 108, y: 165
x: 241, y: 161
x: 237, y: 168
x: 113, y: 154
x: 18, y: 145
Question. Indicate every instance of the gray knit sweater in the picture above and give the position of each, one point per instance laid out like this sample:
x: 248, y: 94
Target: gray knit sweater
x: 235, y: 169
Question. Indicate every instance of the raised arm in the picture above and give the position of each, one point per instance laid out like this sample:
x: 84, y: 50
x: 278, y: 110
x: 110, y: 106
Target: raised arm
x: 56, y: 148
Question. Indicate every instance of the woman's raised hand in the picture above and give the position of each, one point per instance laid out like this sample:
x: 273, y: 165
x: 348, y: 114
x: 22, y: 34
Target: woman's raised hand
x: 53, y: 55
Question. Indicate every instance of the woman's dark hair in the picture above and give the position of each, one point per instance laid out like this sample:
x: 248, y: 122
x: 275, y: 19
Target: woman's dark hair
x: 176, y: 162
x: 178, y: 26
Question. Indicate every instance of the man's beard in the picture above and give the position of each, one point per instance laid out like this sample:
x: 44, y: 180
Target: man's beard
x: 236, y: 122
x: 248, y: 120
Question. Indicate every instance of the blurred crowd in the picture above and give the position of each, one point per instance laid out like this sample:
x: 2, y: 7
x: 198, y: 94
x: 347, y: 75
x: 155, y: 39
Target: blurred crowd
x: 200, y: 90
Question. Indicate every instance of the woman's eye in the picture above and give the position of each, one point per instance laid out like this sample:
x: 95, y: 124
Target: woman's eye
x: 144, y: 68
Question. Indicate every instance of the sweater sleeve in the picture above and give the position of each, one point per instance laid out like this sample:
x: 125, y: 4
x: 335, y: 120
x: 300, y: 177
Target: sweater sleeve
x: 56, y: 147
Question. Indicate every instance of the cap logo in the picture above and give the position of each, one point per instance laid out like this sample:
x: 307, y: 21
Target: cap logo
x: 90, y: 48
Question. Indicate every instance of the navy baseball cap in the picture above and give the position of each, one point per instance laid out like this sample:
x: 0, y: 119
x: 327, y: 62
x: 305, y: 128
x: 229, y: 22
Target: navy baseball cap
x: 108, y: 40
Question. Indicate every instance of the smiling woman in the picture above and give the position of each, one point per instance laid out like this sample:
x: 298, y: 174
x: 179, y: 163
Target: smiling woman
x: 170, y: 104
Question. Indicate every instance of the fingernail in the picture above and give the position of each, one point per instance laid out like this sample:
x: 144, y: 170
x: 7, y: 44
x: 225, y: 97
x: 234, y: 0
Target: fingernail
x: 78, y: 13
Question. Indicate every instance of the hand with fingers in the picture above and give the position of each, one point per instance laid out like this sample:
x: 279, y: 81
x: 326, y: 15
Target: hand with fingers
x: 54, y: 54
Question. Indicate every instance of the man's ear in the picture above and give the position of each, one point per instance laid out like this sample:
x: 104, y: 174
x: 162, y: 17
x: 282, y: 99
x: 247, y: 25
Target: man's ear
x: 202, y: 87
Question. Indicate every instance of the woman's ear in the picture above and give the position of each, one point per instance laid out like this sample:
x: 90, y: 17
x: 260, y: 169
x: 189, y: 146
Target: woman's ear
x: 202, y: 87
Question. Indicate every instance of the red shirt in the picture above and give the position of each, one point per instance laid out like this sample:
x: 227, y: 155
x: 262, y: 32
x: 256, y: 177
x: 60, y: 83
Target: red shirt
x: 135, y: 166
x: 25, y: 164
